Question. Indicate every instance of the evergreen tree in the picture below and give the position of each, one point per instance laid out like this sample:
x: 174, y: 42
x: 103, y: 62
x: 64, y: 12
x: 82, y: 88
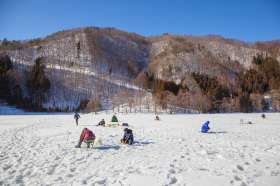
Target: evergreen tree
x: 38, y: 84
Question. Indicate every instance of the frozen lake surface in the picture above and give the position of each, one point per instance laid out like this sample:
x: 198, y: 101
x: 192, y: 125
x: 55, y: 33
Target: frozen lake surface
x: 39, y: 150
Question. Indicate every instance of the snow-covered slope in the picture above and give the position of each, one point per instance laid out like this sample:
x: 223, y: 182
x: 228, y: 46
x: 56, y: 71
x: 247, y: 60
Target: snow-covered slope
x: 39, y: 150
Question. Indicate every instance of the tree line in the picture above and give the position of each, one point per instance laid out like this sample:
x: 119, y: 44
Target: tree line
x: 216, y: 95
x: 12, y: 89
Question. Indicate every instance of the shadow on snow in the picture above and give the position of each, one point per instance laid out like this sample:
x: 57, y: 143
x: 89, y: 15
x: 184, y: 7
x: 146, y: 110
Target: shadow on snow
x: 217, y: 132
x: 108, y: 147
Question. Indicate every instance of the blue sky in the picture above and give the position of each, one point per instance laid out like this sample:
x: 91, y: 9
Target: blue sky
x: 249, y: 20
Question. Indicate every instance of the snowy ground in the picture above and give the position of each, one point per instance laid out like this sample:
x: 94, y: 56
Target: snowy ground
x: 39, y: 150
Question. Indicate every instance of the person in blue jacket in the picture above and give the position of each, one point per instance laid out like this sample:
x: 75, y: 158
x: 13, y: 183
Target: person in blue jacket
x: 205, y: 128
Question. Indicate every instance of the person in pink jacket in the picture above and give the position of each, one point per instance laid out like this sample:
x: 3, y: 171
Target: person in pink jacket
x: 87, y: 136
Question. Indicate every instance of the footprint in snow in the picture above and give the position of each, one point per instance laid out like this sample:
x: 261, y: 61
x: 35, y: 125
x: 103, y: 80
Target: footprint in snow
x: 237, y: 178
x: 27, y: 173
x: 257, y: 174
x: 52, y: 169
x: 80, y: 159
x: 84, y: 182
x: 6, y: 167
x: 19, y: 179
x: 11, y: 172
x: 69, y: 175
x: 247, y: 163
x: 151, y: 167
x: 172, y: 171
x: 239, y: 167
x: 57, y: 158
x: 243, y: 184
x: 258, y: 160
x: 172, y: 180
x: 100, y: 182
x: 203, y: 169
x: 274, y: 173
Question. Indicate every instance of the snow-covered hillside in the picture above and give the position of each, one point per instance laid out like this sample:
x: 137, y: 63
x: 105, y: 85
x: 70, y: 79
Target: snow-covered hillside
x: 39, y: 150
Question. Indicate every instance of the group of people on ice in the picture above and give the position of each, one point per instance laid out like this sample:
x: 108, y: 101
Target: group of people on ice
x: 101, y: 123
x: 88, y: 137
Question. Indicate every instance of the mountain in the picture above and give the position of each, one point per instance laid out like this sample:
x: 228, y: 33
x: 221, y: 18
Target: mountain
x: 105, y: 67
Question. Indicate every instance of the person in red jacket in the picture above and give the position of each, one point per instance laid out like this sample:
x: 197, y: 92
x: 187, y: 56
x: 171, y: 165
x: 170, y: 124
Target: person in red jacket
x: 87, y: 136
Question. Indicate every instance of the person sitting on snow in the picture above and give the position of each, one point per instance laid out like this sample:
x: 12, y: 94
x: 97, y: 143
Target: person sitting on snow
x: 205, y: 128
x: 114, y: 119
x: 87, y: 136
x: 157, y: 118
x: 101, y: 123
x: 127, y: 137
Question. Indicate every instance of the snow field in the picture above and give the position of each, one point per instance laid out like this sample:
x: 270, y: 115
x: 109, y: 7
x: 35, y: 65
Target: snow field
x: 39, y: 150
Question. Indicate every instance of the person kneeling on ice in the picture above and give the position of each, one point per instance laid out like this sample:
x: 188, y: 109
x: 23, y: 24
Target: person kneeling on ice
x: 157, y: 118
x: 101, y: 123
x: 87, y: 136
x: 127, y: 137
x: 205, y: 128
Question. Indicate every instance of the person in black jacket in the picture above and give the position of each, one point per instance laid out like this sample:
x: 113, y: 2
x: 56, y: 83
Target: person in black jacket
x: 77, y: 117
x: 157, y: 118
x: 127, y: 137
x: 101, y: 123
